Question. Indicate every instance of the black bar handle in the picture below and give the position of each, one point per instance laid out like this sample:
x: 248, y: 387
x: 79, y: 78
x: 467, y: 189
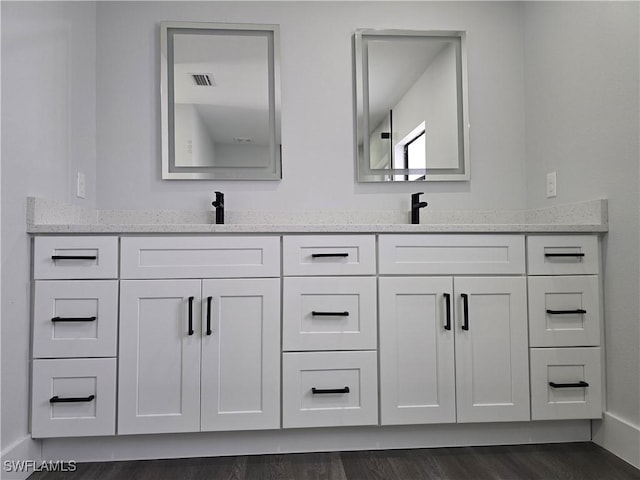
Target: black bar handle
x: 465, y: 306
x: 564, y: 254
x: 447, y: 304
x: 74, y: 257
x: 191, y: 316
x: 322, y: 255
x: 319, y: 391
x: 329, y: 314
x: 580, y: 384
x: 209, y: 332
x: 566, y: 312
x: 57, y: 399
x: 74, y: 319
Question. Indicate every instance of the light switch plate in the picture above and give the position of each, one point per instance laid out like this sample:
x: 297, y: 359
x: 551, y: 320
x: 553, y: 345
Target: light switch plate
x: 80, y: 185
x: 551, y: 184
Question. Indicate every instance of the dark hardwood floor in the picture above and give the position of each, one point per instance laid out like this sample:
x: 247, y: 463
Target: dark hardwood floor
x: 568, y: 461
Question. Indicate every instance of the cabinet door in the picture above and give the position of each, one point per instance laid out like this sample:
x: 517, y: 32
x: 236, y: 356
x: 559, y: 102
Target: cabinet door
x: 241, y: 354
x: 416, y: 350
x: 492, y: 370
x: 159, y: 365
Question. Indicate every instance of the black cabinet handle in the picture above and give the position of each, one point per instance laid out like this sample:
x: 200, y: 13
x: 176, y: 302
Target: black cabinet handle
x: 320, y: 391
x: 580, y: 384
x: 74, y: 319
x: 321, y: 255
x: 74, y: 257
x: 191, y: 316
x: 329, y: 314
x: 465, y: 307
x: 447, y: 304
x: 209, y: 332
x: 564, y: 254
x: 57, y: 399
x: 566, y: 312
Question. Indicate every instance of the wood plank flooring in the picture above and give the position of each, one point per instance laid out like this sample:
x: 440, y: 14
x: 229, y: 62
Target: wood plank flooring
x: 568, y: 461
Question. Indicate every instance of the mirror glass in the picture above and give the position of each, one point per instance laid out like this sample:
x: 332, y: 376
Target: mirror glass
x: 411, y: 106
x: 220, y: 101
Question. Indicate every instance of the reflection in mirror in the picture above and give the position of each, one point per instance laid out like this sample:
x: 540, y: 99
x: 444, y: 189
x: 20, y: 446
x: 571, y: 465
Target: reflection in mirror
x: 220, y: 101
x: 411, y: 106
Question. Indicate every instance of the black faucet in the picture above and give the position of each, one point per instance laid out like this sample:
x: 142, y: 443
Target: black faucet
x: 416, y: 205
x: 218, y: 203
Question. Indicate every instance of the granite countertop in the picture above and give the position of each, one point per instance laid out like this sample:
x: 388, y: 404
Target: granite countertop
x: 52, y: 217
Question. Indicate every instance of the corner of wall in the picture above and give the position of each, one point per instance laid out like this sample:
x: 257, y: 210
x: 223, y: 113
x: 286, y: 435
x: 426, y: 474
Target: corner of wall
x: 19, y: 458
x: 619, y: 437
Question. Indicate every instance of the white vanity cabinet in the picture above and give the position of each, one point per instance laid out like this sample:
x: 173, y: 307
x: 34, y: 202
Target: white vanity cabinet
x: 199, y: 354
x: 453, y: 347
x: 152, y: 334
x: 75, y: 323
x: 329, y: 371
x: 565, y: 327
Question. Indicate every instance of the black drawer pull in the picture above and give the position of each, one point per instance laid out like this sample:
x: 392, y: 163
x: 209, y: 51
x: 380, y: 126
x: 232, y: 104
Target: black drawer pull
x: 564, y: 254
x: 447, y: 302
x: 209, y: 331
x: 322, y: 255
x: 191, y: 316
x: 465, y: 306
x: 566, y: 312
x: 57, y: 399
x: 74, y: 319
x: 319, y: 391
x: 74, y: 257
x: 329, y: 314
x: 580, y: 384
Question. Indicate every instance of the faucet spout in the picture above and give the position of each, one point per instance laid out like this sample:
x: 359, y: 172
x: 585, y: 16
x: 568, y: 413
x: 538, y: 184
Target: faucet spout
x: 218, y: 203
x: 416, y: 205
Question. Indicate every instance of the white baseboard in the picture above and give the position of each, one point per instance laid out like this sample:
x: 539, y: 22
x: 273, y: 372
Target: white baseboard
x: 212, y: 444
x: 14, y: 456
x: 619, y: 437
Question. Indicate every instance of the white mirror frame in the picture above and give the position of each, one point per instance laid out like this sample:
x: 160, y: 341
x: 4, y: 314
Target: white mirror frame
x: 364, y: 171
x: 169, y: 170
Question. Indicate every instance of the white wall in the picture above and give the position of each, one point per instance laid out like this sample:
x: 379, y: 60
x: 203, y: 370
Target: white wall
x: 317, y: 105
x: 48, y: 132
x: 581, y: 117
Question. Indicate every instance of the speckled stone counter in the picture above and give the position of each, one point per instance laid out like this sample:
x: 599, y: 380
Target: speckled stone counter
x: 51, y: 217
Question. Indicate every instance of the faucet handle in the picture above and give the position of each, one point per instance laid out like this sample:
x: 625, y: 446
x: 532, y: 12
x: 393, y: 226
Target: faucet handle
x: 219, y: 199
x: 415, y: 197
x: 416, y: 205
x: 218, y: 203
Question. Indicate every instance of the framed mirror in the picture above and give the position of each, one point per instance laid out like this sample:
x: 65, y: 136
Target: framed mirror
x: 220, y: 101
x: 411, y: 106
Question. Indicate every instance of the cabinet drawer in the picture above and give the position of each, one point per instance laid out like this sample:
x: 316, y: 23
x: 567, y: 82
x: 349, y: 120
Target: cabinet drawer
x: 577, y: 389
x: 562, y: 254
x: 75, y: 257
x: 451, y: 254
x: 329, y: 313
x: 200, y: 257
x: 74, y: 397
x: 75, y: 318
x: 345, y: 386
x: 564, y: 311
x: 329, y: 255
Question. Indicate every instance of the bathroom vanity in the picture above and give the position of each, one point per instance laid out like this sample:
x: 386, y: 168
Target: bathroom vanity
x: 486, y: 329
